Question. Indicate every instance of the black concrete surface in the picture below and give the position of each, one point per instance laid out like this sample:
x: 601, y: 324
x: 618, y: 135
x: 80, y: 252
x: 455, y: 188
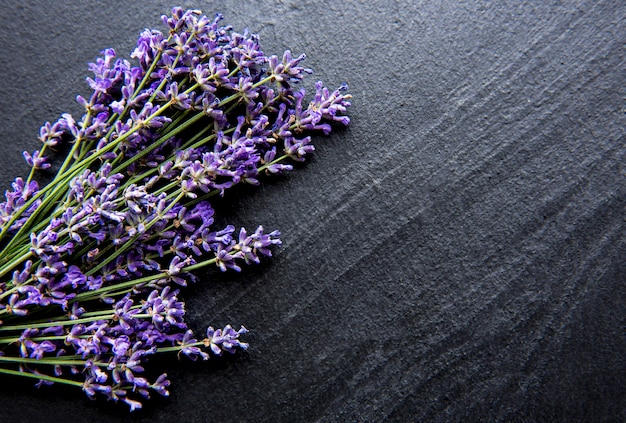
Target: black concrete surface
x: 457, y: 254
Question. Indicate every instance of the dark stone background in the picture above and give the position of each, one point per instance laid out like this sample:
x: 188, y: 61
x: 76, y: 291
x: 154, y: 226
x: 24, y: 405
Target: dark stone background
x: 457, y: 254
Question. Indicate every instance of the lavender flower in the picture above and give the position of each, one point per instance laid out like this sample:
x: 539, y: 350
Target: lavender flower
x: 226, y: 339
x: 90, y: 263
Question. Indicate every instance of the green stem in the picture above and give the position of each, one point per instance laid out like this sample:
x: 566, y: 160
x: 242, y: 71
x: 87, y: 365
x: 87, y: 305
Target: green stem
x: 56, y: 323
x: 51, y: 361
x: 12, y: 339
x: 32, y: 169
x: 177, y: 348
x: 42, y: 377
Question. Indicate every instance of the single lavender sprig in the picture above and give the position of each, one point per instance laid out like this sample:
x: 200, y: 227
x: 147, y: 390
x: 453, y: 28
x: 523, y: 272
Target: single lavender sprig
x: 89, y: 263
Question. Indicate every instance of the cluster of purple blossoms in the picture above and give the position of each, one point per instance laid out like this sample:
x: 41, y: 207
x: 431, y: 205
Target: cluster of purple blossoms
x: 90, y: 264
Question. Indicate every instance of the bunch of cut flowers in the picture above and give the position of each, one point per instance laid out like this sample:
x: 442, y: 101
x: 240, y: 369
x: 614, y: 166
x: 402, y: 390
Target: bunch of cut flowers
x: 91, y: 263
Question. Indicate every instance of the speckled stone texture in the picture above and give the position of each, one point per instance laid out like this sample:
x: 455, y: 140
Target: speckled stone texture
x: 457, y: 254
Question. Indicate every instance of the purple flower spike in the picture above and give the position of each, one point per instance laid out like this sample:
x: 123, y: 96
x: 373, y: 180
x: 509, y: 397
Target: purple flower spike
x: 289, y: 69
x: 161, y: 385
x: 188, y: 348
x: 36, y: 161
x: 226, y: 339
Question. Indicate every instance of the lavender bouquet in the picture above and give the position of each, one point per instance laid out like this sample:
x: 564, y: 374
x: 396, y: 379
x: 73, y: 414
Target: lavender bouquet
x: 91, y: 263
